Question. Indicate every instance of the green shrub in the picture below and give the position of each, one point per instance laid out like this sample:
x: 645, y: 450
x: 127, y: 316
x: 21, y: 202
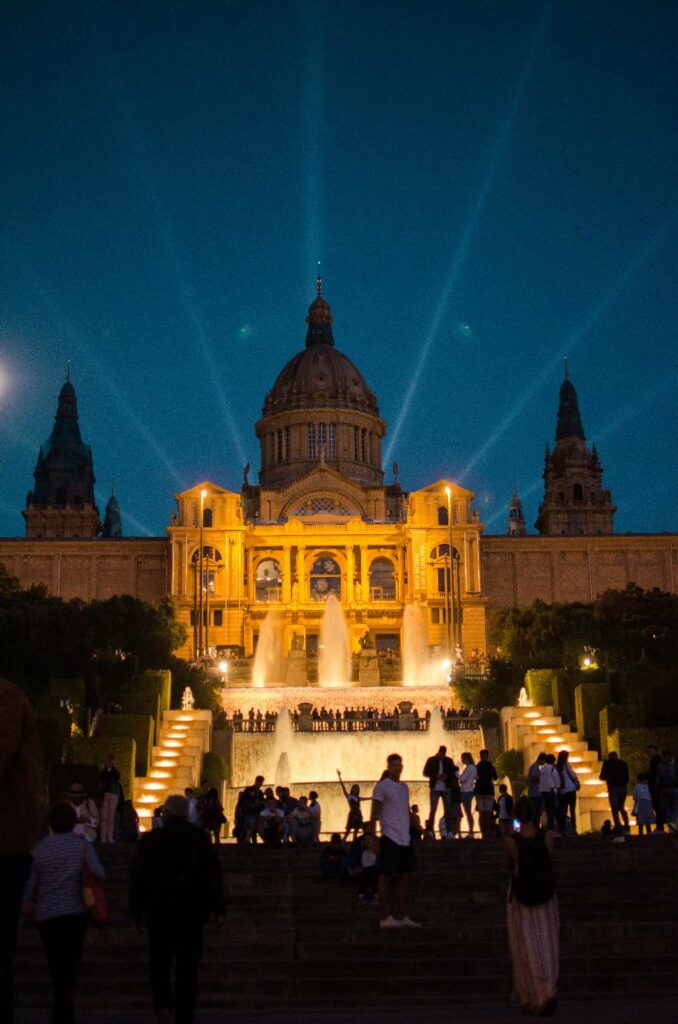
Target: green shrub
x: 511, y: 763
x: 97, y: 749
x: 539, y: 685
x: 589, y: 700
x: 55, y: 730
x: 62, y: 776
x: 562, y: 695
x: 137, y: 727
x: 143, y: 703
x: 215, y: 769
x: 489, y: 719
x: 69, y: 689
x: 499, y: 689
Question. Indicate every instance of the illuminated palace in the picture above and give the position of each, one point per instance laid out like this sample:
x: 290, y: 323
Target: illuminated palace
x: 322, y: 520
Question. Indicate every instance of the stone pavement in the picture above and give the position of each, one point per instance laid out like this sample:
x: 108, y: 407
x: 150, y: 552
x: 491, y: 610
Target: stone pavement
x: 603, y: 1011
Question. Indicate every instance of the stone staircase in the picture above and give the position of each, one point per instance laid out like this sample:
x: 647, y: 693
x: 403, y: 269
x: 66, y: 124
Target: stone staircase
x: 533, y: 729
x: 176, y: 760
x: 292, y: 941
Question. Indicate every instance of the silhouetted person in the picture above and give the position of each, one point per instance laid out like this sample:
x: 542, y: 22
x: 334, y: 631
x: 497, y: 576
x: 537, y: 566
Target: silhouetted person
x: 175, y: 887
x: 20, y: 790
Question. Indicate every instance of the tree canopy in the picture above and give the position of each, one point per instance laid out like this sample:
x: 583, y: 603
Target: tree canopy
x: 623, y: 626
x: 43, y: 636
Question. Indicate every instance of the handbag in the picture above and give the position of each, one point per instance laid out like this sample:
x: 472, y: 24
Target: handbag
x: 93, y: 895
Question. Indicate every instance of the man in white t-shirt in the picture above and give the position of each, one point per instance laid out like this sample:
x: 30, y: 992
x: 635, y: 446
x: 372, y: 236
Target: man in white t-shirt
x: 391, y: 808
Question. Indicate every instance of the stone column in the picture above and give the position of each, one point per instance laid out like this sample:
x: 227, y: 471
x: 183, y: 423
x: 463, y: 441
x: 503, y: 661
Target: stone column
x: 364, y: 575
x: 287, y: 575
x: 350, y: 571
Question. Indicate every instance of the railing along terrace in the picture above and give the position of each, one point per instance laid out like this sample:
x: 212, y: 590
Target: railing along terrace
x: 389, y: 723
x: 461, y: 723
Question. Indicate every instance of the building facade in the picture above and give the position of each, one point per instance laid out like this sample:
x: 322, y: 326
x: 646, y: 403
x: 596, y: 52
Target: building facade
x: 323, y: 521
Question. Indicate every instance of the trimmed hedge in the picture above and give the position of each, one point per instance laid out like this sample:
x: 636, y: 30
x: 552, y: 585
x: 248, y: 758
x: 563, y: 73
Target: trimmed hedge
x: 54, y: 729
x: 562, y: 697
x: 215, y: 769
x: 97, y: 749
x: 539, y: 685
x: 69, y: 689
x: 140, y: 728
x: 630, y: 743
x: 159, y: 682
x: 589, y: 701
x: 143, y: 703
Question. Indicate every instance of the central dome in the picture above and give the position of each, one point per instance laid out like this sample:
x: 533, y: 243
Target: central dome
x: 320, y: 376
x: 320, y: 411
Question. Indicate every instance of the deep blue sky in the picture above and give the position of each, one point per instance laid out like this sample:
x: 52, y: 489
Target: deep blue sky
x: 488, y: 187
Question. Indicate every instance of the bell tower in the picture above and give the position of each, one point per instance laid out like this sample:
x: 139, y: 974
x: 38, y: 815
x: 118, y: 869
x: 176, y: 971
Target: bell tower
x: 575, y: 501
x: 62, y: 502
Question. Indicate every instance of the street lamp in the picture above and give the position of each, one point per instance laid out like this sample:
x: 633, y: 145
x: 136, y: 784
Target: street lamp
x: 203, y: 495
x: 450, y: 586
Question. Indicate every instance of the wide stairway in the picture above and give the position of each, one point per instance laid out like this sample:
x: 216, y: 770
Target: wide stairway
x: 176, y: 761
x: 292, y: 940
x: 537, y: 729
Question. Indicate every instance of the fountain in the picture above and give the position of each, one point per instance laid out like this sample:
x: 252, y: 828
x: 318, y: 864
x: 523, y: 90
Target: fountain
x: 334, y: 660
x: 268, y: 656
x: 419, y: 668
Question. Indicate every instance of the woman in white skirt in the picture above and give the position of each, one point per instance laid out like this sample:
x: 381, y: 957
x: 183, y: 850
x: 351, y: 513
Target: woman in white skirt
x: 533, y: 918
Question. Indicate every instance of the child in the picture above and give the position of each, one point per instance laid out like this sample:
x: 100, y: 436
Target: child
x: 354, y: 822
x: 642, y: 803
x: 315, y: 811
x: 505, y: 811
x: 416, y: 827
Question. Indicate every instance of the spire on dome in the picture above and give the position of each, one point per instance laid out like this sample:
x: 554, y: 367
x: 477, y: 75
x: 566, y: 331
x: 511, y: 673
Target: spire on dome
x: 319, y: 319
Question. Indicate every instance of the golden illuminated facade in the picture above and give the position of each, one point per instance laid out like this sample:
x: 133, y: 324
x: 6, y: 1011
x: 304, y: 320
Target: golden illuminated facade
x: 323, y: 522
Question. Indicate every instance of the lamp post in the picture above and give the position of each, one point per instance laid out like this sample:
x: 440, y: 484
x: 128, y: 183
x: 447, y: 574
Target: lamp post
x: 451, y: 623
x: 203, y: 494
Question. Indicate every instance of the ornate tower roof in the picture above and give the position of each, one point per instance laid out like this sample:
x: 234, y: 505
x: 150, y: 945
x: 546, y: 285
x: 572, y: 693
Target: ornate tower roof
x: 569, y: 420
x: 516, y: 518
x: 575, y: 501
x: 112, y: 527
x: 64, y: 478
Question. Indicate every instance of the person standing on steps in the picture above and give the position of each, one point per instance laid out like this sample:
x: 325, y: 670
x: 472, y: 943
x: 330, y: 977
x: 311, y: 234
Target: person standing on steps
x: 113, y: 796
x: 175, y: 887
x: 615, y: 773
x: 467, y: 782
x: 533, y: 914
x: 391, y: 808
x: 440, y: 771
x: 534, y: 788
x: 487, y: 776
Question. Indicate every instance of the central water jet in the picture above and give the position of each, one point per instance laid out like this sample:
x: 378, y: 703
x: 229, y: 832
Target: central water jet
x: 334, y: 659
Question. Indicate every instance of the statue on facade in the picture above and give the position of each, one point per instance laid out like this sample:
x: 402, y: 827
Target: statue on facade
x: 187, y: 700
x: 297, y: 642
x: 396, y: 475
x: 245, y: 474
x: 358, y: 591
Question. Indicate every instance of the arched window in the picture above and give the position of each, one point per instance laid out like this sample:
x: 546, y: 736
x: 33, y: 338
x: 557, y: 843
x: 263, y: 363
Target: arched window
x: 382, y: 580
x: 325, y: 579
x: 577, y: 493
x: 268, y: 581
x: 210, y: 558
x: 443, y: 518
x: 207, y: 517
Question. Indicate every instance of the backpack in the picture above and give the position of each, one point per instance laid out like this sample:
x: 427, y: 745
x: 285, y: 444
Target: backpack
x: 533, y: 881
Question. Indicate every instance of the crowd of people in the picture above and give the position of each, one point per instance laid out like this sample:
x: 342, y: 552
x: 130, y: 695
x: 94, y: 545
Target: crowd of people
x: 276, y: 817
x: 176, y: 883
x: 351, y: 719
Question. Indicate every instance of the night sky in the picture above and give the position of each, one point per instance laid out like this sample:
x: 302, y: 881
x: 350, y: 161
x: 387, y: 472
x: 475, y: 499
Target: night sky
x: 488, y: 187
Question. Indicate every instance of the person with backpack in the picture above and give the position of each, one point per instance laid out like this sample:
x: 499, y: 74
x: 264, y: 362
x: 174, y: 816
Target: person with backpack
x: 566, y: 801
x: 534, y: 789
x: 175, y: 887
x: 533, y: 915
